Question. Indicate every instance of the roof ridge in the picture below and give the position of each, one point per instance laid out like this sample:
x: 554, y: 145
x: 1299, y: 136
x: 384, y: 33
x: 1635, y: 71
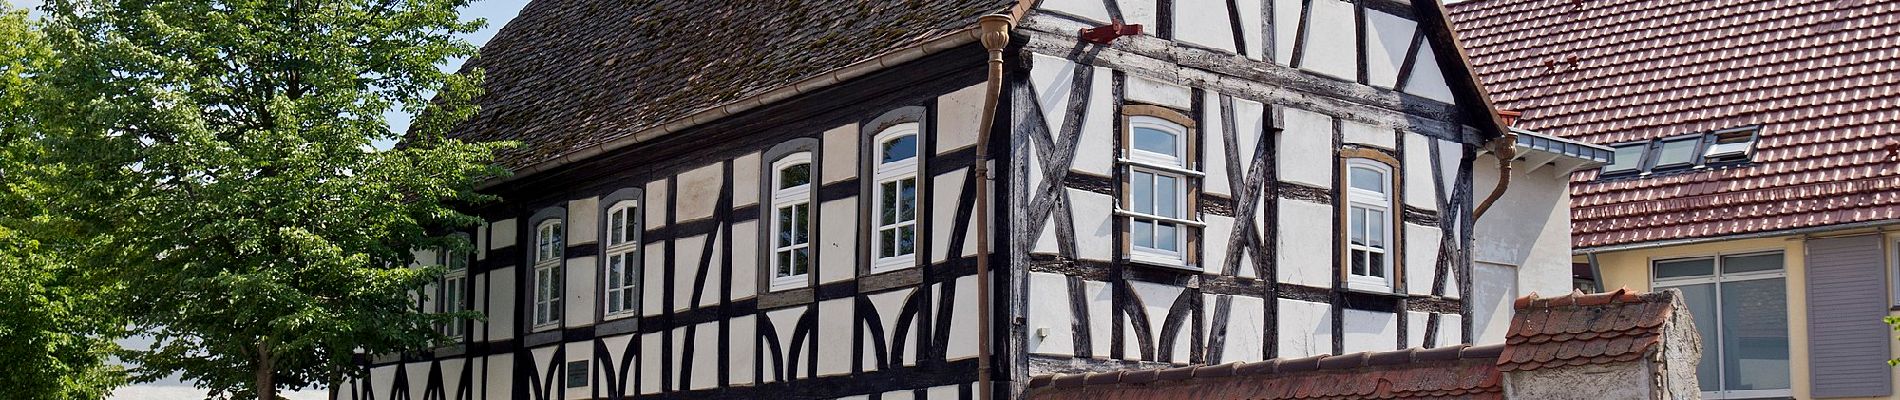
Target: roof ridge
x: 1276, y: 366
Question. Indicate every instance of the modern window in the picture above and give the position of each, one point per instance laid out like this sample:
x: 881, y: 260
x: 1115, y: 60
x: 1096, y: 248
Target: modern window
x: 1720, y: 148
x: 1740, y: 304
x: 791, y: 221
x: 623, y: 258
x: 454, y: 296
x: 1677, y: 152
x: 549, y: 244
x: 1369, y: 224
x: 1158, y: 180
x: 894, y: 245
x: 1629, y: 158
x: 1731, y: 145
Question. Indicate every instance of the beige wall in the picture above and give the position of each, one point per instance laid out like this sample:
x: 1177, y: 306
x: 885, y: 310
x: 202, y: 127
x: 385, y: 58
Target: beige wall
x: 1630, y: 268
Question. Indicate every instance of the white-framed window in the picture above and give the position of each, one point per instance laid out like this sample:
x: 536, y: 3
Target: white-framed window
x: 1740, y: 304
x: 894, y: 244
x: 454, y: 289
x: 1369, y: 227
x: 623, y: 259
x: 791, y: 221
x: 1157, y: 201
x: 549, y: 244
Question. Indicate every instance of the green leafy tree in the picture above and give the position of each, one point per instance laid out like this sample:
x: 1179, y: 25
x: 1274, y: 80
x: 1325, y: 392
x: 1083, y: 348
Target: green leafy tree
x: 222, y: 151
x: 55, y: 327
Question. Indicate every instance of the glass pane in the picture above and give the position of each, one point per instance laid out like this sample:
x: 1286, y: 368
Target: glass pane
x: 794, y: 175
x: 1375, y: 264
x: 1751, y: 263
x: 1628, y: 158
x: 887, y: 196
x: 1754, y: 335
x: 1167, y: 237
x: 1155, y: 141
x: 1367, y: 179
x: 1358, y: 223
x: 801, y: 217
x: 1142, y: 184
x: 1676, y: 152
x: 1166, y: 202
x: 801, y: 260
x: 907, y: 200
x: 1358, y: 262
x: 1375, y: 228
x: 784, y: 226
x: 616, y: 227
x: 1141, y: 233
x: 887, y: 242
x: 626, y: 299
x: 1685, y: 268
x: 1701, y: 301
x: 907, y: 239
x: 783, y: 266
x: 900, y: 148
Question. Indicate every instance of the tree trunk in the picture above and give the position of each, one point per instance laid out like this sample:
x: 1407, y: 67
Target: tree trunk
x: 266, y: 390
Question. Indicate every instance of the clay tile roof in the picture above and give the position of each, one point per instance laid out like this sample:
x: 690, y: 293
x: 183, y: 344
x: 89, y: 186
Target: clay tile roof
x: 1818, y: 76
x: 566, y: 75
x: 1578, y: 329
x: 1462, y: 372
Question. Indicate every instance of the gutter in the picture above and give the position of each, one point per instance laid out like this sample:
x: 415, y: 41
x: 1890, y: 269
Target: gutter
x: 852, y: 71
x: 1879, y: 224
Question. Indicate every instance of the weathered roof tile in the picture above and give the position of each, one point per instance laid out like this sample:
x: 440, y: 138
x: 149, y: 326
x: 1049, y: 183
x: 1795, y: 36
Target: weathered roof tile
x: 1817, y: 75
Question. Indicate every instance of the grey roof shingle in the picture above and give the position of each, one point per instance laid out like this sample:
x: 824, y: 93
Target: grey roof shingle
x: 570, y: 74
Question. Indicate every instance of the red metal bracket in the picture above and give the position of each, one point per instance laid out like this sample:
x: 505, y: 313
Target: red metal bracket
x: 1107, y: 33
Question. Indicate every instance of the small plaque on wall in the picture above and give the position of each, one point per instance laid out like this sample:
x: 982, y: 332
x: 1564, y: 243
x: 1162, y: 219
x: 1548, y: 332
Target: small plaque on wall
x: 576, y: 374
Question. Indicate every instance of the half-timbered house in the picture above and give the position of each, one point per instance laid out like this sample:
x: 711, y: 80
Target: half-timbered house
x: 799, y: 199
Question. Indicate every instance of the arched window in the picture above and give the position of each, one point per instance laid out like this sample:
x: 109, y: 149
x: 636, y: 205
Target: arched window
x: 549, y: 245
x: 454, y: 289
x: 1369, y: 224
x: 894, y: 208
x: 791, y: 221
x: 1159, y: 184
x: 622, y: 270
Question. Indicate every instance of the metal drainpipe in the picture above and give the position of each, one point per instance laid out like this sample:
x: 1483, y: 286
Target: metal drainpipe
x: 1596, y: 272
x: 1505, y: 149
x: 994, y: 32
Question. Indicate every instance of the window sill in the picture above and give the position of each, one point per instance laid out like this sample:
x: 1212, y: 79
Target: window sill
x: 893, y: 264
x: 1375, y: 291
x: 1355, y: 285
x: 622, y: 314
x: 1163, y: 262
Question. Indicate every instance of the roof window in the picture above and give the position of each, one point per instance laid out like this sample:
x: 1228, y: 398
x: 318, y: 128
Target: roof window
x: 1731, y: 145
x: 1694, y: 151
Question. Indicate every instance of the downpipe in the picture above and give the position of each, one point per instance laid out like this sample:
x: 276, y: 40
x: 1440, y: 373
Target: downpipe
x: 993, y: 31
x: 1505, y: 149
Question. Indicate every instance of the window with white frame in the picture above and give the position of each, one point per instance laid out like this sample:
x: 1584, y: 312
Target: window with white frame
x: 623, y: 258
x: 1369, y: 215
x: 454, y: 295
x: 1157, y: 200
x: 549, y: 244
x: 791, y: 221
x: 894, y: 245
x: 1740, y: 304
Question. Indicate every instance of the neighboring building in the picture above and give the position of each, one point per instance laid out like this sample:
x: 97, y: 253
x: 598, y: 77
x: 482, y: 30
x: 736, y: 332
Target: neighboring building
x: 1608, y: 346
x: 1757, y: 168
x: 779, y: 200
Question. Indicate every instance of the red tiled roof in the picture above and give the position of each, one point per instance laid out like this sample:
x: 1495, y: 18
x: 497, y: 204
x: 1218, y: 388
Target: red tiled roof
x: 1584, y: 329
x: 566, y: 75
x: 1822, y: 78
x: 1456, y: 372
